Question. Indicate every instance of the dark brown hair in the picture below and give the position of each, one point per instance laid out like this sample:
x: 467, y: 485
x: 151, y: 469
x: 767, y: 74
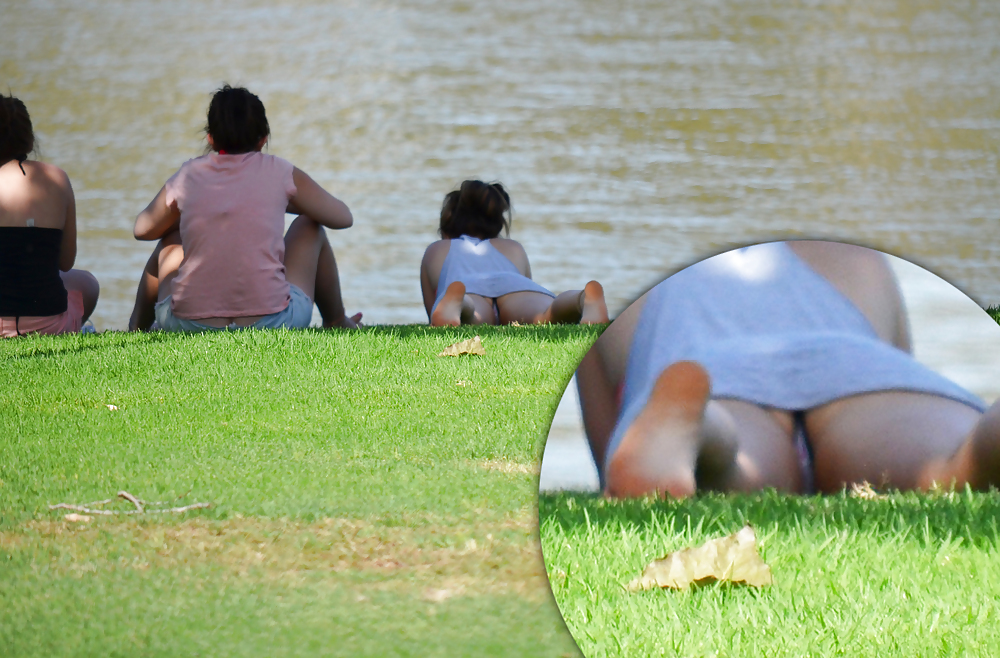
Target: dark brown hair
x: 17, y: 138
x: 236, y: 120
x: 479, y: 209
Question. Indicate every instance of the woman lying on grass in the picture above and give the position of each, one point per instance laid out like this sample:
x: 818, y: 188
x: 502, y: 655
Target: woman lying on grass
x: 473, y: 276
x: 222, y: 261
x: 780, y: 365
x: 40, y: 292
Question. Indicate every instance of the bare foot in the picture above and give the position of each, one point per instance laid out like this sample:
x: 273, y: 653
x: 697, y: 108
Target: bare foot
x: 660, y: 451
x: 453, y: 307
x: 353, y: 322
x: 593, y: 309
x: 578, y: 306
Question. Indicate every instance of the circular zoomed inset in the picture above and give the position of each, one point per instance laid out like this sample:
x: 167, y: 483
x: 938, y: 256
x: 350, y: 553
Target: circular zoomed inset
x: 733, y: 392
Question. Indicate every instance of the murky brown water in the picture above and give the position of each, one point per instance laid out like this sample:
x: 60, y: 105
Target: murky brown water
x: 635, y: 137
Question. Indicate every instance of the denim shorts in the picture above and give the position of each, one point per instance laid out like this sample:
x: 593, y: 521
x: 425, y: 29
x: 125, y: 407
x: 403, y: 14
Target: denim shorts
x: 297, y: 315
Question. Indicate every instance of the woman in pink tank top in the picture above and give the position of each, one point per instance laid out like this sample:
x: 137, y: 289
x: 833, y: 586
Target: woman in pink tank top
x: 223, y: 258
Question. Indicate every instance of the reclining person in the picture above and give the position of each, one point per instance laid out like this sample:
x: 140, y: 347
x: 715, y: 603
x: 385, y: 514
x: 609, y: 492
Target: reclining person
x: 780, y: 365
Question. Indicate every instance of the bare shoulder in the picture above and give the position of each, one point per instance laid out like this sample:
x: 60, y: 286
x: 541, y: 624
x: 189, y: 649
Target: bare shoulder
x: 436, y: 249
x: 513, y: 250
x: 435, y: 254
x: 847, y: 263
x: 862, y: 275
x: 50, y: 173
x: 506, y: 243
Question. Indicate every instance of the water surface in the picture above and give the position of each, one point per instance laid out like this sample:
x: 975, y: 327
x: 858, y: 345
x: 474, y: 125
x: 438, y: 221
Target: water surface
x: 634, y: 137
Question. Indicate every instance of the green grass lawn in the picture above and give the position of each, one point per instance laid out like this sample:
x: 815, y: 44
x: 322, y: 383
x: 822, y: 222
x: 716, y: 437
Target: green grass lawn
x: 905, y: 575
x: 368, y: 497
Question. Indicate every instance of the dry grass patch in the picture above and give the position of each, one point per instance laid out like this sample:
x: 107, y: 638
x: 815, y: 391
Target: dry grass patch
x: 444, y: 561
x: 504, y: 466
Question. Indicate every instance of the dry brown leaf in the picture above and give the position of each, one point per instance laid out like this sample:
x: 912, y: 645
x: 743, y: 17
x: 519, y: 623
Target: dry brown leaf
x: 472, y: 346
x: 733, y: 558
x: 865, y: 491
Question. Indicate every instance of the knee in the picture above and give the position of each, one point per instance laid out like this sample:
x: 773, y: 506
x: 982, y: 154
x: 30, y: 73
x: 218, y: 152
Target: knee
x: 83, y: 281
x: 304, y: 224
x: 93, y: 286
x: 170, y: 256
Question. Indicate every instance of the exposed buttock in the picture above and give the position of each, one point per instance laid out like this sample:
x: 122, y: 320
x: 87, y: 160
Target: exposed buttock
x: 485, y: 305
x: 885, y: 437
x: 768, y: 452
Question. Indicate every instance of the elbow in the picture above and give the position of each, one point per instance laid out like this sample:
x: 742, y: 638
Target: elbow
x: 140, y: 231
x: 346, y: 218
x: 66, y: 261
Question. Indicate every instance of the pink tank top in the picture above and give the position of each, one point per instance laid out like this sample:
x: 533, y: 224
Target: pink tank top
x: 232, y: 229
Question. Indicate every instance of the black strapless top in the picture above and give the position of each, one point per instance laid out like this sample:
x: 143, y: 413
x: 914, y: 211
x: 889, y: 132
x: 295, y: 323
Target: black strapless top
x: 30, y: 284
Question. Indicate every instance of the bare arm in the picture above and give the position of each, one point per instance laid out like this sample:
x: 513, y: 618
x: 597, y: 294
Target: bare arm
x: 157, y: 219
x: 902, y: 338
x: 425, y: 288
x: 598, y: 404
x: 599, y: 376
x: 430, y: 270
x: 67, y: 249
x: 321, y: 206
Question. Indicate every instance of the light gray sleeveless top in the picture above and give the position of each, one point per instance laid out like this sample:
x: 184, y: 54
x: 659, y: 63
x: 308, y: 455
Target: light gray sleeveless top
x: 770, y: 331
x: 483, y: 270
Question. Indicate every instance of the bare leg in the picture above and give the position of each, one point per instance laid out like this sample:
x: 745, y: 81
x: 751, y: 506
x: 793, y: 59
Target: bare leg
x: 87, y: 284
x: 585, y: 306
x: 682, y: 439
x: 310, y: 265
x: 145, y: 297
x: 160, y: 270
x: 904, y: 440
x: 983, y: 469
x: 458, y: 308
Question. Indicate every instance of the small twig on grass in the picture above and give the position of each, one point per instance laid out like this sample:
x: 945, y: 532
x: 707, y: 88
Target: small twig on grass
x: 132, y: 499
x: 139, y: 504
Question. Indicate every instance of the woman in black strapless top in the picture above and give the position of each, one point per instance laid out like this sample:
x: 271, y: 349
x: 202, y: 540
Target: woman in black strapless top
x: 40, y: 292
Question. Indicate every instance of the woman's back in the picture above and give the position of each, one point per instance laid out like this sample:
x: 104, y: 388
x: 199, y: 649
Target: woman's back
x: 40, y: 196
x: 232, y: 222
x: 40, y: 292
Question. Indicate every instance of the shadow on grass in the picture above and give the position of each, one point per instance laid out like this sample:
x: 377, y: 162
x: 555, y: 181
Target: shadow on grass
x: 49, y: 346
x: 551, y: 332
x: 925, y: 518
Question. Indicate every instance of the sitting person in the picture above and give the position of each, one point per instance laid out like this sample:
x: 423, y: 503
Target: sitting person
x: 40, y: 292
x: 473, y: 276
x: 222, y: 260
x: 780, y: 365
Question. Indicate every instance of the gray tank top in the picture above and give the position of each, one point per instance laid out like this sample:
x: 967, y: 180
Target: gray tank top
x: 483, y: 270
